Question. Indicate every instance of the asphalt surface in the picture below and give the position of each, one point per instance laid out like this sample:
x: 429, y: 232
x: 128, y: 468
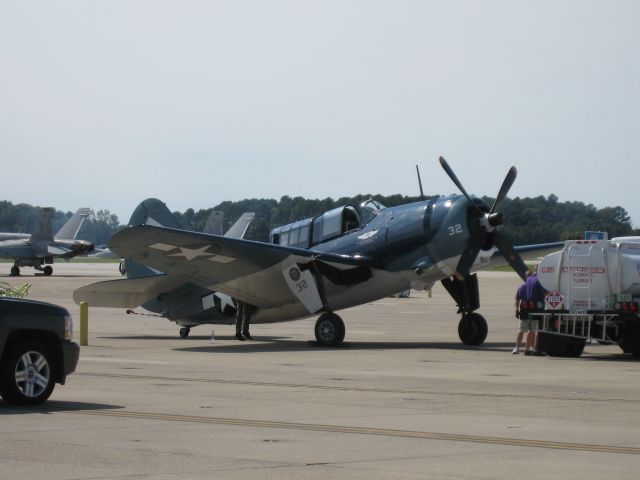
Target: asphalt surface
x: 403, y: 398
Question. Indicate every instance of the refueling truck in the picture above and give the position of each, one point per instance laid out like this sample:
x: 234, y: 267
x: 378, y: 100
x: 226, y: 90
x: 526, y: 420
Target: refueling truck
x: 593, y: 293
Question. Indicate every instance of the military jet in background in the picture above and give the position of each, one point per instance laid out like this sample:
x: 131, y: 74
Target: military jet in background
x: 68, y: 231
x: 180, y: 301
x: 345, y: 257
x: 41, y: 247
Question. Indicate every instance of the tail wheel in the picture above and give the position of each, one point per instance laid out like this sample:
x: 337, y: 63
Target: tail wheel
x: 472, y: 329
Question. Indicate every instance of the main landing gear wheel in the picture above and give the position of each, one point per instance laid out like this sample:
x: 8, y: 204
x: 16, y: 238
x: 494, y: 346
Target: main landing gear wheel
x: 330, y: 330
x: 472, y: 329
x: 184, y: 332
x: 48, y: 270
x: 15, y: 271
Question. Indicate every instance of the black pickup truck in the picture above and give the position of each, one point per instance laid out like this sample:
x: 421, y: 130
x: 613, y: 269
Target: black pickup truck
x: 36, y: 350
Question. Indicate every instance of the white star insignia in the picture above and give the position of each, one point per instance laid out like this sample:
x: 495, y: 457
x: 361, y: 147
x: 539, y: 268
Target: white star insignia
x: 191, y: 253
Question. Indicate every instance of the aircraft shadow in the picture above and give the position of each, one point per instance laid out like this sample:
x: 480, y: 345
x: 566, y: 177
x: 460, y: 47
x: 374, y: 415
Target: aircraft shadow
x: 267, y: 344
x: 52, y: 406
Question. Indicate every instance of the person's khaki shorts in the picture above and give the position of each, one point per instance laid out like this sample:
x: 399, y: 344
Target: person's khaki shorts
x: 528, y: 325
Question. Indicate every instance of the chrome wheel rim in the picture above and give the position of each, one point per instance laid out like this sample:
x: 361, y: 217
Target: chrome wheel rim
x: 32, y: 374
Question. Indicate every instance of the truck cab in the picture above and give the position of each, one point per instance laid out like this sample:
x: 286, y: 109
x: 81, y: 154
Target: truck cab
x: 36, y: 350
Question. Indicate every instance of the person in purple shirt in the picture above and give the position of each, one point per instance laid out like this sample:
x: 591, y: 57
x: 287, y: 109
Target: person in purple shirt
x: 530, y: 291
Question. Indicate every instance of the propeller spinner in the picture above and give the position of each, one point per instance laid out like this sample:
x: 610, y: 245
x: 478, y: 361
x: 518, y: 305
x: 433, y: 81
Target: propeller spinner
x: 483, y: 228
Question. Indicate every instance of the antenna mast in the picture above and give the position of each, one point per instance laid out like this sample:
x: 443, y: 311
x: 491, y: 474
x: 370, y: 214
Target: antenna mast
x: 420, y: 183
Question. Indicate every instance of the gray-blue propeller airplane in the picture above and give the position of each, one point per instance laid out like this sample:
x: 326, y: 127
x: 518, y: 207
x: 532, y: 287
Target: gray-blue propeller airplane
x: 343, y: 258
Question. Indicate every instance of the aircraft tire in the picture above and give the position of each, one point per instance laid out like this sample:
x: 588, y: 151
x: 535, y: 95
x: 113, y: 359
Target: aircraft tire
x: 184, y: 332
x: 329, y: 330
x: 48, y: 270
x: 15, y: 271
x: 472, y: 329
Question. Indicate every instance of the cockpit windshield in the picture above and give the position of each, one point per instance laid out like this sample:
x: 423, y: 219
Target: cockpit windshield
x: 369, y: 209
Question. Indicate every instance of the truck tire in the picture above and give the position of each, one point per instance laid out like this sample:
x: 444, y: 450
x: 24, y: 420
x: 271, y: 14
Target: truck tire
x: 560, y: 345
x: 27, y: 373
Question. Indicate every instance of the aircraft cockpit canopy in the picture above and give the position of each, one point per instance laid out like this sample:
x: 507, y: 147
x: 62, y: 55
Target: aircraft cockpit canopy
x: 313, y: 231
x: 369, y: 209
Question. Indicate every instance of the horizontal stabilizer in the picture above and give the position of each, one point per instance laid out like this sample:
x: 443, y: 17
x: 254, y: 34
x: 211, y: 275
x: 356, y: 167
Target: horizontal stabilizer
x: 126, y: 293
x: 53, y: 250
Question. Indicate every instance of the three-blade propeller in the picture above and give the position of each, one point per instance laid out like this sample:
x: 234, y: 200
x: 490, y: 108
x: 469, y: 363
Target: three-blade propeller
x: 482, y: 227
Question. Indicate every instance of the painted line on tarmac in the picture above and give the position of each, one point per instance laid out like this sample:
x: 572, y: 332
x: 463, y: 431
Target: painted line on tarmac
x: 386, y: 432
x: 355, y: 389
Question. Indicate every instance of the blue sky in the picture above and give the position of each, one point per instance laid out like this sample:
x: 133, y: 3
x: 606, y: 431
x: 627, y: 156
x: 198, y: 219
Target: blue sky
x: 105, y: 103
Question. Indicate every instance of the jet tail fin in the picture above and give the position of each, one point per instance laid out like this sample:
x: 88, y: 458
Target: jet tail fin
x: 42, y: 232
x: 69, y: 231
x: 214, y: 223
x: 239, y: 228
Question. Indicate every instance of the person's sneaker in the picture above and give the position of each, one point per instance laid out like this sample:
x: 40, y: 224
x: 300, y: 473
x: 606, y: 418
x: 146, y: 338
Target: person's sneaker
x: 247, y: 335
x: 515, y: 351
x: 240, y: 337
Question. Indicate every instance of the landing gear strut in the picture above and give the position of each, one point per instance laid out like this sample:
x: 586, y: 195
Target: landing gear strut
x: 184, y: 332
x: 472, y: 329
x: 329, y: 330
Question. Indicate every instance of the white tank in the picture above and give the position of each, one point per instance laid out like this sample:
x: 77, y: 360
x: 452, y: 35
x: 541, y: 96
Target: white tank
x: 593, y: 274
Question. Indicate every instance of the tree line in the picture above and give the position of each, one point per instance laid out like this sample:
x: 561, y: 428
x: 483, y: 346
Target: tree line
x: 528, y: 220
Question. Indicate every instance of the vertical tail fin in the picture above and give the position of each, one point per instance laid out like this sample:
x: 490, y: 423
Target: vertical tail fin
x: 150, y: 212
x: 215, y: 222
x: 153, y: 212
x: 42, y: 231
x: 69, y: 231
x: 238, y: 229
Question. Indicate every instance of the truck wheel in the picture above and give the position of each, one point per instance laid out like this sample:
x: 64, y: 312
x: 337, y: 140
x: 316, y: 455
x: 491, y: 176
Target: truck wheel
x: 27, y: 374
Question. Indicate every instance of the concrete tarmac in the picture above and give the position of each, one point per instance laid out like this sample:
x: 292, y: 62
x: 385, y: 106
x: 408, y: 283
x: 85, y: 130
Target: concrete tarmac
x: 403, y: 398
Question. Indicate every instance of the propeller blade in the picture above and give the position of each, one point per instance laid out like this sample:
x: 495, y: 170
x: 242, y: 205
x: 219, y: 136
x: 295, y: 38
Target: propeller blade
x: 455, y: 180
x: 510, y: 255
x: 504, y: 189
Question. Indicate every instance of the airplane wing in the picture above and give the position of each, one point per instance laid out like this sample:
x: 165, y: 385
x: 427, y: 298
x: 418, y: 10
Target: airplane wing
x: 252, y: 272
x: 530, y: 253
x: 55, y: 250
x: 126, y: 293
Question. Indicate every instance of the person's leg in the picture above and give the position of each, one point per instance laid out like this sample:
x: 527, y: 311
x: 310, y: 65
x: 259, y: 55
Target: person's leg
x: 529, y: 344
x: 239, y: 315
x: 246, y: 322
x: 516, y: 349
